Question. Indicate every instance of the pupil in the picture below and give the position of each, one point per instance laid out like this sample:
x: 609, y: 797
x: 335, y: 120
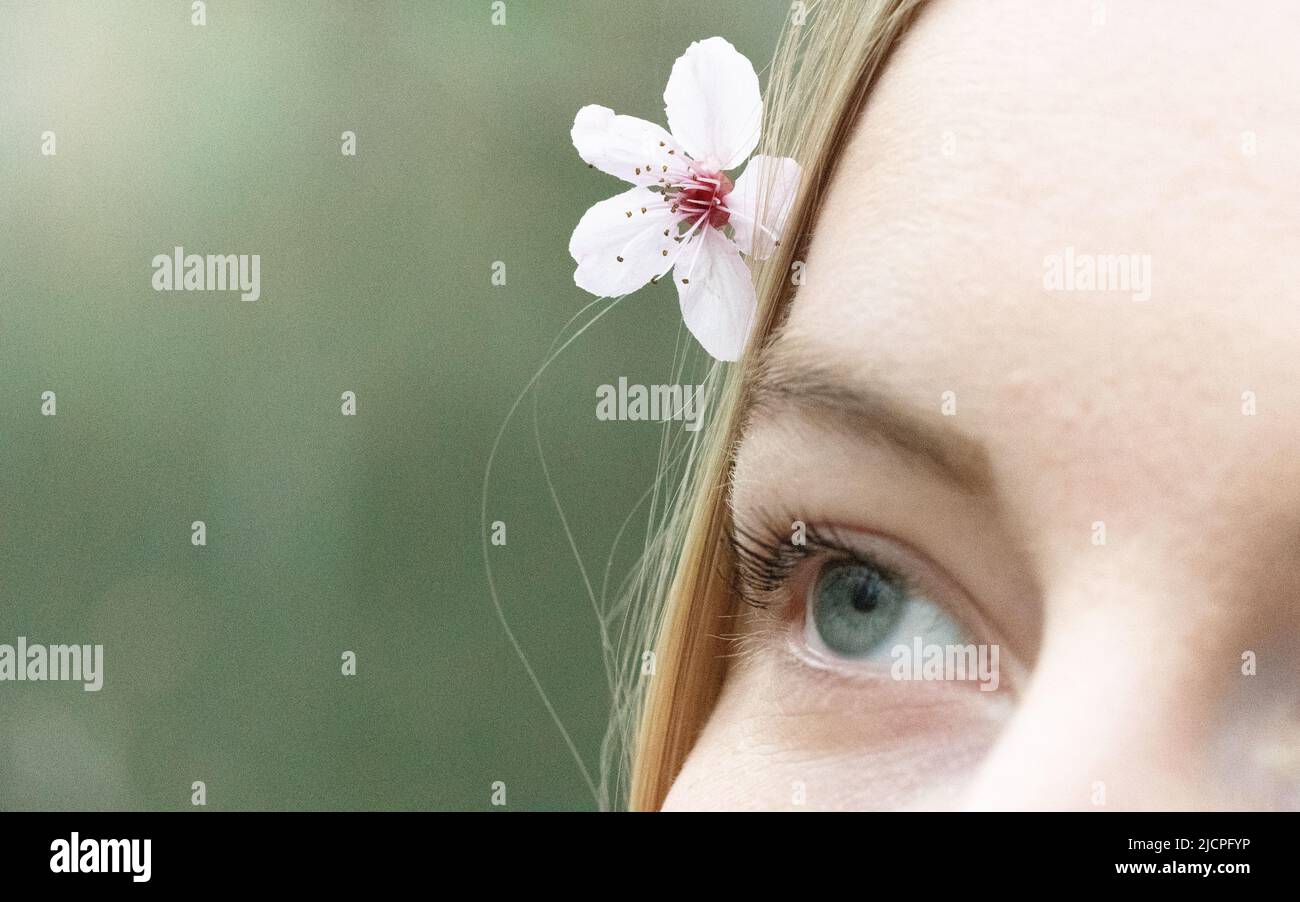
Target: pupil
x: 866, y: 596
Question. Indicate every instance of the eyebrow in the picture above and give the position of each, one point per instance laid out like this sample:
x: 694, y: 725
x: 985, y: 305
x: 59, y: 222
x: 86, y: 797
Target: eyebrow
x: 788, y: 380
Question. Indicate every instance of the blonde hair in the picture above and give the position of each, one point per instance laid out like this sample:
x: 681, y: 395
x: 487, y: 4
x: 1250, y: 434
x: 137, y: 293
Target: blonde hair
x: 827, y: 59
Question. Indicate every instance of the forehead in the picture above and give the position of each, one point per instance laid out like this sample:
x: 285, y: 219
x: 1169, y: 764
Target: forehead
x: 1008, y: 149
x: 996, y: 140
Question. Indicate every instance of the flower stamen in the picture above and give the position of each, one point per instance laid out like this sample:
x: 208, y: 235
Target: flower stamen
x: 702, y: 197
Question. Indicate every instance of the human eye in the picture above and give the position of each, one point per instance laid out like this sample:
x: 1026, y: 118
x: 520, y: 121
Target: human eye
x: 852, y: 600
x: 858, y: 611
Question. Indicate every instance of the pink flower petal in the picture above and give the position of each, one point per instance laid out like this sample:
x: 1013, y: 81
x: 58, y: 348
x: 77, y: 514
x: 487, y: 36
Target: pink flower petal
x: 713, y: 104
x: 629, y: 148
x: 620, y: 244
x: 761, y: 203
x: 716, y: 293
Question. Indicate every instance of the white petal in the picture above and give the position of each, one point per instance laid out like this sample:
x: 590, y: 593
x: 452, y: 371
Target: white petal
x: 716, y: 293
x: 615, y: 228
x: 713, y: 104
x: 632, y: 149
x: 764, y: 194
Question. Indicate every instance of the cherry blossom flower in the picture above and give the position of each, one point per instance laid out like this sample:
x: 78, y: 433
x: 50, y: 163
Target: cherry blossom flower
x: 685, y: 213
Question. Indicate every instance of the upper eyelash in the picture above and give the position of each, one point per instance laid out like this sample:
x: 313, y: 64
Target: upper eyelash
x: 765, y: 560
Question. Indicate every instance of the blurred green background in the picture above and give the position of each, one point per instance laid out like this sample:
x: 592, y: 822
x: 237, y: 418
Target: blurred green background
x: 325, y: 533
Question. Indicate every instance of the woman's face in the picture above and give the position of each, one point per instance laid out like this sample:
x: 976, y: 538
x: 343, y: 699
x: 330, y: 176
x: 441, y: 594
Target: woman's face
x: 1098, y: 479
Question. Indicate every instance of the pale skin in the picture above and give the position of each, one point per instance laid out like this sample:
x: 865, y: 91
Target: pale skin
x: 1001, y: 134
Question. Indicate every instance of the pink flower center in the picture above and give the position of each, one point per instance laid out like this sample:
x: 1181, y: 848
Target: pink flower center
x: 703, y: 197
